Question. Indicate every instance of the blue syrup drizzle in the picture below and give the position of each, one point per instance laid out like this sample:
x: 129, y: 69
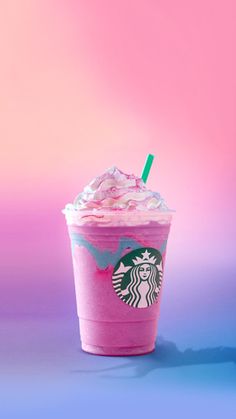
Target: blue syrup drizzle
x: 104, y: 258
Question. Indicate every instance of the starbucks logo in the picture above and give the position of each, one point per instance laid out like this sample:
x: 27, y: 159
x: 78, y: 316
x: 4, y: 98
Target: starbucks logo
x: 137, y: 277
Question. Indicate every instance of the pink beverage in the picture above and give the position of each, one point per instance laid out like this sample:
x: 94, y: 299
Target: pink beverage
x: 118, y: 257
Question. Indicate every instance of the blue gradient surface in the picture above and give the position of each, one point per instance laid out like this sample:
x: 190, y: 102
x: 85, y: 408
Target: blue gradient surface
x: 192, y: 373
x: 46, y: 373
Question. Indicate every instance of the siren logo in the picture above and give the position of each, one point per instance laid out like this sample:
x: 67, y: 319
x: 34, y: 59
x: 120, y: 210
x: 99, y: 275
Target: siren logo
x: 137, y: 277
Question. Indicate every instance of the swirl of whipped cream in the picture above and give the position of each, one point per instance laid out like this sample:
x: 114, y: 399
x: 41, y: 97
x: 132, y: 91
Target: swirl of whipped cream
x: 114, y: 198
x: 117, y: 190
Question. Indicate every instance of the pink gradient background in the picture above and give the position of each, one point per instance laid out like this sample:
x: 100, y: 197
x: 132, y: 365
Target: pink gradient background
x: 89, y: 84
x: 86, y: 84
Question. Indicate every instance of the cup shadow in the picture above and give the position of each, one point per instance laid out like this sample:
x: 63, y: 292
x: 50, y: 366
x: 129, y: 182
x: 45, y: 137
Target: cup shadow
x: 167, y: 355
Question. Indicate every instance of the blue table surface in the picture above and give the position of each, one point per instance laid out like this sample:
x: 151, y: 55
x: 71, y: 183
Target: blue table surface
x: 44, y: 373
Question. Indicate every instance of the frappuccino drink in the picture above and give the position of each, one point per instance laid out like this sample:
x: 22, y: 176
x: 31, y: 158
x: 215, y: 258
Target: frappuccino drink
x: 118, y: 230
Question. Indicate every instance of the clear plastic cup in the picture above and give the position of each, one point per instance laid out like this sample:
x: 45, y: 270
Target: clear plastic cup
x: 118, y: 273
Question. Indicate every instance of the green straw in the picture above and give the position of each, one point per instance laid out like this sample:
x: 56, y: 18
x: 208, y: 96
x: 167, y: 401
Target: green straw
x: 147, y: 167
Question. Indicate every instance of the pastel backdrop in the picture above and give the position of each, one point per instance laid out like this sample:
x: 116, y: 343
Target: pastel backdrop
x: 90, y: 84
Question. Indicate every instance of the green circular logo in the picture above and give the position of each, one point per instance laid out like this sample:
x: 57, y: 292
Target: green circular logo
x: 137, y: 277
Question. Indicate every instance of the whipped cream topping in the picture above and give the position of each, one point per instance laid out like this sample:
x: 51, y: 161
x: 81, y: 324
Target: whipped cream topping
x: 117, y: 198
x: 115, y: 190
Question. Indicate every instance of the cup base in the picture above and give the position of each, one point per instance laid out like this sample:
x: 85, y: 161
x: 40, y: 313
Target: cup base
x: 118, y: 351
